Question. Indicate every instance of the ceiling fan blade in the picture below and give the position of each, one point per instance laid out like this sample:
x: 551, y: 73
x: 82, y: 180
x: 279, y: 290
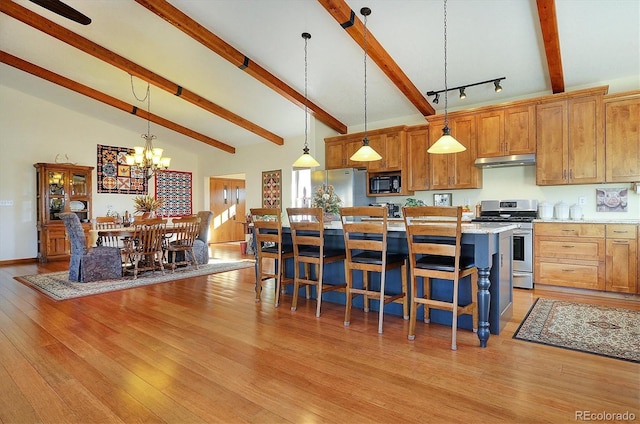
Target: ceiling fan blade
x: 56, y: 6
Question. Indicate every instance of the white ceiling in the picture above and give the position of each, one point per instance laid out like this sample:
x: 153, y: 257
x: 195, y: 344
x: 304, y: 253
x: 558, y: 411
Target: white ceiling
x: 599, y: 42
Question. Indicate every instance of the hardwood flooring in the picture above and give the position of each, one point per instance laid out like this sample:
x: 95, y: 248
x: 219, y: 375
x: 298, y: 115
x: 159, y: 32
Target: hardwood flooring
x: 201, y: 350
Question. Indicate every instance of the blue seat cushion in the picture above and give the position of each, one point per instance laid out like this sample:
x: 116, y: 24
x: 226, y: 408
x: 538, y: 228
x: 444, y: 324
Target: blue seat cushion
x: 314, y: 252
x: 285, y: 248
x: 375, y: 258
x: 443, y: 263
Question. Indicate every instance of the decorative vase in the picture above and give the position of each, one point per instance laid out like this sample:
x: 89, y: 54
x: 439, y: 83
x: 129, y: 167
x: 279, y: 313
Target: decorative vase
x: 328, y: 216
x: 148, y: 215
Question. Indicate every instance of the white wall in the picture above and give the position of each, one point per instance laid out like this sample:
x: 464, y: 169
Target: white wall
x: 34, y: 130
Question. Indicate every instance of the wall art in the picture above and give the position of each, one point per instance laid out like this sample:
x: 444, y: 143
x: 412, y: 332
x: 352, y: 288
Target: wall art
x: 272, y: 189
x: 115, y: 176
x: 442, y: 199
x: 611, y: 199
x: 175, y: 187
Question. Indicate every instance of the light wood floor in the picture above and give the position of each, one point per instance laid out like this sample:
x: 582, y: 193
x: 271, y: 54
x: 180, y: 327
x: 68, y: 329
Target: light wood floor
x: 201, y: 350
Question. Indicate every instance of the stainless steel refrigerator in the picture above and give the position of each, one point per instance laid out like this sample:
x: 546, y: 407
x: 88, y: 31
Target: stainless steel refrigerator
x: 350, y: 185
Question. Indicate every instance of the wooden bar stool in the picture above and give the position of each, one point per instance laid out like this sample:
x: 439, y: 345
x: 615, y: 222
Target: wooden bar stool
x: 267, y: 228
x: 434, y: 240
x: 366, y: 248
x: 307, y: 233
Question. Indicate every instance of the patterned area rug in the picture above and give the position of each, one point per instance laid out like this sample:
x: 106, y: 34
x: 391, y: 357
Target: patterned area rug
x: 57, y: 285
x: 601, y: 330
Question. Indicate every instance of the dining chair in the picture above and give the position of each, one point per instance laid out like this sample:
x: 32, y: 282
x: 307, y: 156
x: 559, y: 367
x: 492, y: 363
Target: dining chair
x: 267, y: 229
x: 89, y: 264
x: 145, y: 247
x: 184, y: 232
x: 365, y: 239
x: 434, y: 236
x: 307, y: 234
x: 108, y: 223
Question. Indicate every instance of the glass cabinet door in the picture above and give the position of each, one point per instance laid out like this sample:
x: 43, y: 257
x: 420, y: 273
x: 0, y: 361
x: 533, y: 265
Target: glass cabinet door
x: 57, y: 193
x: 78, y: 184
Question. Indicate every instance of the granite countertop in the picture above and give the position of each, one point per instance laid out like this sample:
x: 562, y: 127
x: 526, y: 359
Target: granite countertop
x: 591, y: 221
x: 468, y: 228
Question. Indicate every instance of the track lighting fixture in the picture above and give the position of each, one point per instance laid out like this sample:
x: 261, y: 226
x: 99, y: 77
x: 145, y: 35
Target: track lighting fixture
x: 462, y: 88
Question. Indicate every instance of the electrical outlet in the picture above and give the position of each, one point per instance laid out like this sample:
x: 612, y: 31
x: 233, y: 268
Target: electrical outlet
x: 582, y: 200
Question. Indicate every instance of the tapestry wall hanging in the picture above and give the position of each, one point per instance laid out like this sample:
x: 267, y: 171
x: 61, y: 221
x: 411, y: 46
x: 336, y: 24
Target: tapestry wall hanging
x: 175, y: 187
x: 272, y: 189
x: 115, y: 176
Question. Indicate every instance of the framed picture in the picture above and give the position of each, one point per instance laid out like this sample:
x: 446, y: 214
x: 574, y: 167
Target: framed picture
x: 272, y: 189
x: 442, y: 199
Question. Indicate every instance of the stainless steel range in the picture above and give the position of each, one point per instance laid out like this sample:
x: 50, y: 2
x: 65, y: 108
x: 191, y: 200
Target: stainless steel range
x: 522, y: 212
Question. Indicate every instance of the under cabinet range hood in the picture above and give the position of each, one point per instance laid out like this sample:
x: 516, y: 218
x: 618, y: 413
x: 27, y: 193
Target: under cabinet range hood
x: 504, y: 161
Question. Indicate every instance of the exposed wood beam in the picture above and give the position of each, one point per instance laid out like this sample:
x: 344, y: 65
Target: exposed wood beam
x: 346, y: 17
x: 201, y: 34
x: 45, y: 74
x: 61, y: 33
x: 549, y: 27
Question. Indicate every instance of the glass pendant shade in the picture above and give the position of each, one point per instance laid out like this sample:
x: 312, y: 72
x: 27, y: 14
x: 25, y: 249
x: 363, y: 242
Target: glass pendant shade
x: 305, y: 160
x: 365, y: 153
x: 446, y: 144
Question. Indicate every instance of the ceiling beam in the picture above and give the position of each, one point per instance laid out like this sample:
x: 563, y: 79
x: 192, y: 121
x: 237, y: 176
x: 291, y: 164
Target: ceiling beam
x: 45, y: 74
x: 549, y: 27
x: 61, y: 33
x: 346, y: 17
x: 205, y: 37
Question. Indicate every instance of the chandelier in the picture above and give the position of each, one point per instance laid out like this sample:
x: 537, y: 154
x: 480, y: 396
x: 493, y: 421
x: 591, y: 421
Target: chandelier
x: 148, y: 158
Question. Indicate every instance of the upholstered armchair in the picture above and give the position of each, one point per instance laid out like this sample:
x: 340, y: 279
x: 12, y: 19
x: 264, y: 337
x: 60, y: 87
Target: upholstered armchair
x: 92, y: 264
x: 201, y: 245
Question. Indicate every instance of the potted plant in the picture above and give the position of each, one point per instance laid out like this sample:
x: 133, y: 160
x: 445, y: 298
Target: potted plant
x: 326, y: 198
x: 147, y: 205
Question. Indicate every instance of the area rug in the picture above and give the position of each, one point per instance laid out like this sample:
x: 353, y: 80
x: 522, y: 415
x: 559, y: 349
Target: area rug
x: 601, y: 330
x: 57, y: 285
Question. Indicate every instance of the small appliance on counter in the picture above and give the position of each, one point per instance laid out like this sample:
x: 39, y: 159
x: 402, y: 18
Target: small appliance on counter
x: 393, y: 209
x: 521, y: 212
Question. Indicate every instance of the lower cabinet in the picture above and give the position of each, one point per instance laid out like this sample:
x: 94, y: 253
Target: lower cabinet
x: 588, y: 256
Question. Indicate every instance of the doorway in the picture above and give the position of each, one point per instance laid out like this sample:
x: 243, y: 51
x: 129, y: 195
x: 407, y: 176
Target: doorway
x: 227, y: 202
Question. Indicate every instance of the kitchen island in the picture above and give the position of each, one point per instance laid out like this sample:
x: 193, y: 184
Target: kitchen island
x: 489, y: 244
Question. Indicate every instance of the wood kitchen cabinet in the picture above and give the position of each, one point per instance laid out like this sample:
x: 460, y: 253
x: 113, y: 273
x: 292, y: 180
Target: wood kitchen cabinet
x: 338, y: 151
x: 569, y: 255
x: 456, y: 170
x: 60, y: 188
x: 418, y: 169
x: 622, y: 137
x: 506, y: 131
x: 621, y: 258
x: 392, y: 146
x: 570, y: 141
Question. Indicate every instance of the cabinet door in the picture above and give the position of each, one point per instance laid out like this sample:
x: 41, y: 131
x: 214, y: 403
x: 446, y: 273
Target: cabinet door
x: 395, y: 151
x: 438, y: 164
x: 334, y: 155
x: 585, y: 140
x: 621, y: 259
x: 551, y: 143
x: 491, y: 134
x: 350, y: 147
x: 418, y: 143
x: 56, y: 241
x: 622, y: 136
x: 519, y: 130
x: 379, y: 144
x: 462, y: 165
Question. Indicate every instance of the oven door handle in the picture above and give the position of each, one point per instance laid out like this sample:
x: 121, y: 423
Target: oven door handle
x: 521, y: 233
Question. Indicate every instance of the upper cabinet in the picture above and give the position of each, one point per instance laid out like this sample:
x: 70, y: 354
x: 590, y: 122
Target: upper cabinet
x: 455, y: 170
x: 338, y: 151
x: 570, y: 140
x: 622, y: 137
x: 390, y: 143
x: 418, y: 158
x: 506, y: 131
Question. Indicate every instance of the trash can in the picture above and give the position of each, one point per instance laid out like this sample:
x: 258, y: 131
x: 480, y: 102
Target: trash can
x: 243, y: 247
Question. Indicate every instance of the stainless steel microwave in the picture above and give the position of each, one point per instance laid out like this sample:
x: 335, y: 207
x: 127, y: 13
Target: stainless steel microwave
x: 381, y: 184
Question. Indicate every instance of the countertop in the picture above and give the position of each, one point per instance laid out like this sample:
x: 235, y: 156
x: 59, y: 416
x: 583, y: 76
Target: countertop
x: 591, y: 221
x: 469, y: 228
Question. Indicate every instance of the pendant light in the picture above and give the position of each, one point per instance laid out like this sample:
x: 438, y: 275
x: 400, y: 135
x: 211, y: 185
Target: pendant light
x: 366, y: 152
x: 446, y: 143
x: 305, y: 160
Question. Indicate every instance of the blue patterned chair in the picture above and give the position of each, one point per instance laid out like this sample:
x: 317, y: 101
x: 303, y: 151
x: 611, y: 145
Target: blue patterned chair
x: 201, y: 245
x: 93, y: 264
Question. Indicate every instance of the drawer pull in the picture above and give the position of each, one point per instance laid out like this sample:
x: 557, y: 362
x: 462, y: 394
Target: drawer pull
x: 568, y: 270
x: 620, y: 231
x: 568, y: 246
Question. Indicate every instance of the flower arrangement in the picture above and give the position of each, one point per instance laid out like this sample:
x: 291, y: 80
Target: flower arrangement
x: 147, y: 203
x: 326, y: 198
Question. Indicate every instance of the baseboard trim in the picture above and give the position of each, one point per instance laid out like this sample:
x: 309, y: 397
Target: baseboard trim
x: 18, y: 261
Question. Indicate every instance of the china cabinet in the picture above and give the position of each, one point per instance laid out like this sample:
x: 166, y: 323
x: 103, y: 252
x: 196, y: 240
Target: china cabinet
x: 60, y: 188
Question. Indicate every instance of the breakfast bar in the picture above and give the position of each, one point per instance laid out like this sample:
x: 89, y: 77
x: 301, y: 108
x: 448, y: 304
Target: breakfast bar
x: 490, y: 244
